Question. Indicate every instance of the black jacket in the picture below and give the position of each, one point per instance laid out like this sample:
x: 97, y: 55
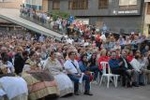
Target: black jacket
x: 123, y: 64
x: 18, y: 63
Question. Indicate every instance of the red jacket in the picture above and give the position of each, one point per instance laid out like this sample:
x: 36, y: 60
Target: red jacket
x: 101, y: 59
x: 129, y: 58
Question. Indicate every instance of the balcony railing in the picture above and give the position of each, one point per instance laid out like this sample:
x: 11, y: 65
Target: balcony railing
x: 45, y: 22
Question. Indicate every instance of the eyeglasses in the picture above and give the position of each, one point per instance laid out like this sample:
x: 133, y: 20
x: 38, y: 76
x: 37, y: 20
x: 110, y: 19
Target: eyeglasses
x: 73, y: 54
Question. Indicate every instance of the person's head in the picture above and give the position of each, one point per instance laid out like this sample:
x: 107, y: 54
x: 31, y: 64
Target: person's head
x: 109, y: 53
x: 117, y: 51
x: 53, y: 54
x: 3, y: 49
x: 113, y: 55
x: 84, y: 58
x: 146, y: 47
x: 59, y: 56
x: 93, y: 56
x: 5, y: 57
x: 72, y: 55
x: 25, y: 54
x: 138, y: 54
x: 124, y: 53
x: 19, y: 50
x: 32, y: 55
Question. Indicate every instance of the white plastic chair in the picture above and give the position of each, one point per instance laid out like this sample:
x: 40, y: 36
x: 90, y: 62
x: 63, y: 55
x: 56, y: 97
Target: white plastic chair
x: 108, y: 74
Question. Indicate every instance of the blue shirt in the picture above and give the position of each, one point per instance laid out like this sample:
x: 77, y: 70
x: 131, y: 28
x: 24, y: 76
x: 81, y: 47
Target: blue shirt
x: 114, y: 63
x: 82, y: 66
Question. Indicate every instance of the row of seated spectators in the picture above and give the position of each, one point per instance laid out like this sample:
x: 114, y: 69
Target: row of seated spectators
x: 50, y: 67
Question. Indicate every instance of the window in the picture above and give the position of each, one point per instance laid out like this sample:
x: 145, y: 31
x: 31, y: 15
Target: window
x: 148, y: 8
x: 56, y: 5
x: 103, y: 4
x: 127, y: 2
x: 78, y: 4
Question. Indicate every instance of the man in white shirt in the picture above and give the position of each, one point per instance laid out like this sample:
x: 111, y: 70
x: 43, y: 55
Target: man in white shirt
x: 74, y: 73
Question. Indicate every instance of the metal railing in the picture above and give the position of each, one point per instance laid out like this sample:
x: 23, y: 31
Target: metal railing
x: 43, y: 22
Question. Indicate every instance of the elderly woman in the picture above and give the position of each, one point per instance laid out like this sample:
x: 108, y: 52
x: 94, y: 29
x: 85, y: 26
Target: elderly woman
x: 40, y: 83
x: 65, y: 85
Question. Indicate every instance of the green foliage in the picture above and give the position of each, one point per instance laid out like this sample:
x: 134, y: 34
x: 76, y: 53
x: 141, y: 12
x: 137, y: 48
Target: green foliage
x: 56, y: 14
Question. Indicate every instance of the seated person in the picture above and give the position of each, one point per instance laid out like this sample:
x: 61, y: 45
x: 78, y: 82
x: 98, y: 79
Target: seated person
x: 36, y: 77
x: 9, y: 82
x: 116, y: 68
x: 132, y: 73
x: 84, y: 66
x: 93, y: 67
x: 73, y: 71
x: 54, y: 67
x: 5, y: 62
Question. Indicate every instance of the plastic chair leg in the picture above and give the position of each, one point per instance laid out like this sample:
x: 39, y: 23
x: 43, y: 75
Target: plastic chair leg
x: 101, y: 81
x: 108, y: 80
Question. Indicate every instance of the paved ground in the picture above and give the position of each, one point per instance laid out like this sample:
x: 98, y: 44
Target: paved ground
x: 119, y: 93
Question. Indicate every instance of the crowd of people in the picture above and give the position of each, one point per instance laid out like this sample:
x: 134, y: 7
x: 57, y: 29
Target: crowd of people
x: 62, y: 25
x: 45, y: 19
x: 45, y: 66
x: 38, y: 66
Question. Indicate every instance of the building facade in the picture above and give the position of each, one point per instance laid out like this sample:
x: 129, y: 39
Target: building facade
x: 146, y: 29
x: 37, y: 4
x: 10, y: 3
x: 123, y: 16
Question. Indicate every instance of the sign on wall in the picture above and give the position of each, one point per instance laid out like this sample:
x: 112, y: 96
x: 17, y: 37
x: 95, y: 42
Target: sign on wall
x: 128, y: 12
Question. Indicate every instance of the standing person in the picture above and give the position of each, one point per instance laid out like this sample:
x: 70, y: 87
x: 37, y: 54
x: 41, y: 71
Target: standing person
x: 72, y: 68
